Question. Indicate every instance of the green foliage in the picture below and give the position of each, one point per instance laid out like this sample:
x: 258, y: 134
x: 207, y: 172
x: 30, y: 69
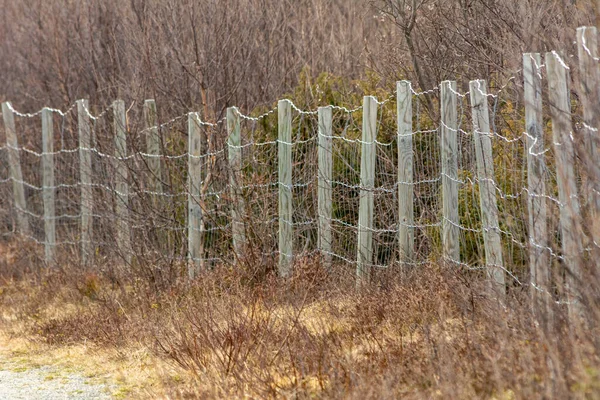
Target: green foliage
x: 328, y: 89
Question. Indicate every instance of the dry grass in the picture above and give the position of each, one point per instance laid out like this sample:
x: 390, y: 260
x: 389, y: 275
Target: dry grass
x: 130, y: 373
x: 426, y: 336
x: 35, y: 333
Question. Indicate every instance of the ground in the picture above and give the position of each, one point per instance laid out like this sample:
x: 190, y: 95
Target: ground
x: 229, y: 335
x: 33, y: 370
x: 19, y: 383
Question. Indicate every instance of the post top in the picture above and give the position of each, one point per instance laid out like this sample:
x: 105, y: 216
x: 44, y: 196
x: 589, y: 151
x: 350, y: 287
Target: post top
x: 584, y: 28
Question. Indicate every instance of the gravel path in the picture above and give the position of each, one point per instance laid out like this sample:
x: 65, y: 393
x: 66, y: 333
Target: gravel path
x: 48, y: 383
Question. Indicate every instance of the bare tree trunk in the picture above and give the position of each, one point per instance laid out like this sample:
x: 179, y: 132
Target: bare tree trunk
x: 417, y: 67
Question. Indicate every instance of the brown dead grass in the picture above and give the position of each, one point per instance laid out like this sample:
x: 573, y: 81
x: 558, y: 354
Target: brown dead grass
x: 429, y: 335
x: 60, y: 333
x: 134, y: 373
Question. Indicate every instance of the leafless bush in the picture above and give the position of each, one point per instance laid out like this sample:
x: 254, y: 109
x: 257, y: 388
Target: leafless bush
x: 187, y: 54
x: 209, y: 55
x: 431, y: 334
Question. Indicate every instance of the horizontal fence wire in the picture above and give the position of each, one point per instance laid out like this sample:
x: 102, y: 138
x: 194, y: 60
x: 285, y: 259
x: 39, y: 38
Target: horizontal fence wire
x: 155, y: 184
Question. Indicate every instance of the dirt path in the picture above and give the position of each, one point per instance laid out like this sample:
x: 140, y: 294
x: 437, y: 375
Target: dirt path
x: 19, y: 383
x: 29, y: 369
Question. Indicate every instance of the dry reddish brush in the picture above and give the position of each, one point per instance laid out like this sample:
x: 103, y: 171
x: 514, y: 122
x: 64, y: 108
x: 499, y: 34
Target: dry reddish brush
x: 424, y: 334
x: 187, y: 54
x: 210, y: 54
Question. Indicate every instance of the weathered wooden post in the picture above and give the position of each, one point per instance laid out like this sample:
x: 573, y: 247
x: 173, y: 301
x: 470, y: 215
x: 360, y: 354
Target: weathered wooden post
x: 85, y: 178
x: 449, y: 149
x: 196, y: 259
x: 121, y: 175
x: 286, y: 227
x: 539, y: 257
x: 367, y: 183
x: 154, y: 163
x: 234, y: 144
x: 14, y: 165
x: 589, y: 77
x: 406, y: 232
x: 48, y: 186
x: 153, y: 148
x: 487, y: 188
x: 325, y: 191
x: 562, y: 130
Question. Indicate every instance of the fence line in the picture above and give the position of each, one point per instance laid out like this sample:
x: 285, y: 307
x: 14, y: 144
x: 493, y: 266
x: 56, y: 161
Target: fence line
x: 48, y: 184
x: 325, y: 195
x: 235, y: 164
x: 449, y: 136
x: 85, y: 174
x: 560, y: 112
x: 536, y: 186
x: 487, y: 197
x: 406, y: 222
x: 364, y: 189
x: 14, y: 163
x: 194, y: 185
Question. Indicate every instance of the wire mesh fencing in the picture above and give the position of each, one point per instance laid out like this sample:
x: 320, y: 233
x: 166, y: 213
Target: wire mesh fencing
x: 282, y: 186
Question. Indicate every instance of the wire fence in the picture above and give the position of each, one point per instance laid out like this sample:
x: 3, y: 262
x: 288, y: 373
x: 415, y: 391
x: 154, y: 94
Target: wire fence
x: 155, y: 181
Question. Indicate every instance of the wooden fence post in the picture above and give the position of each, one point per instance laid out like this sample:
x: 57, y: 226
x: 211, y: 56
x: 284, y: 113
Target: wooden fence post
x: 14, y: 164
x: 153, y: 147
x: 153, y: 161
x: 589, y: 77
x: 48, y: 186
x: 234, y: 143
x: 487, y: 188
x: 406, y: 231
x: 539, y: 257
x: 286, y: 228
x: 196, y: 262
x: 449, y: 144
x: 85, y: 177
x: 367, y: 183
x: 562, y: 130
x: 325, y: 191
x: 121, y: 175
